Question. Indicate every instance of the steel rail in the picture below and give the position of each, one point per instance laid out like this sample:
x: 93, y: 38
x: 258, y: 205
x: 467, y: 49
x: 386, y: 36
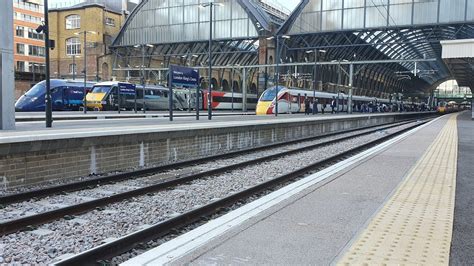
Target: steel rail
x: 126, y: 243
x: 73, y: 186
x: 41, y: 218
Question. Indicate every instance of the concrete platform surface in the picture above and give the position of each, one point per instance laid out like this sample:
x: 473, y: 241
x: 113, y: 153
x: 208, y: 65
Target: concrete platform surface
x: 315, y: 226
x: 415, y: 226
x: 462, y: 246
x: 91, y: 115
x: 28, y: 131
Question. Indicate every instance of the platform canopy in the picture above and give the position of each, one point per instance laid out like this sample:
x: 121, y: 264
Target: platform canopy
x: 459, y: 57
x: 383, y: 29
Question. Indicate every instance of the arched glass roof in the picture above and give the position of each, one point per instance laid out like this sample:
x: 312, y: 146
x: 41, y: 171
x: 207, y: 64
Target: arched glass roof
x: 384, y: 29
x: 177, y: 21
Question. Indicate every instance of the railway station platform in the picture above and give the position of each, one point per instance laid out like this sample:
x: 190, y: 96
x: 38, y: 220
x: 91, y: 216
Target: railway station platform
x: 93, y: 115
x: 405, y: 201
x: 33, y: 154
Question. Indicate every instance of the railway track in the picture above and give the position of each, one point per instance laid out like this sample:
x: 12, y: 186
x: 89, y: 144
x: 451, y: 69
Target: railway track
x: 101, y: 180
x: 164, y: 227
x: 30, y: 221
x: 106, y: 251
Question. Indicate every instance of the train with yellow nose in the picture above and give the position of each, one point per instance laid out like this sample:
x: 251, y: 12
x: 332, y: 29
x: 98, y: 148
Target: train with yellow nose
x: 292, y: 100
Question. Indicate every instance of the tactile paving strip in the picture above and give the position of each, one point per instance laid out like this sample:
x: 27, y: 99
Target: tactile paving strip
x: 415, y: 225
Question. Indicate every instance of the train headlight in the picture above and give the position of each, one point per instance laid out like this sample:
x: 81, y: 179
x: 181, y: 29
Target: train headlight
x: 103, y: 102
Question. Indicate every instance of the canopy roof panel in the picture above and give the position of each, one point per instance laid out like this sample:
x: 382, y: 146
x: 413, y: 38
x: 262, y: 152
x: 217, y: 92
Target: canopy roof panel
x: 177, y: 21
x: 332, y: 15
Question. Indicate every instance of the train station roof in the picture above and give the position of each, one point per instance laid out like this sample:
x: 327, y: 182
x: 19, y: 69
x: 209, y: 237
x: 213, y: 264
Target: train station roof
x: 181, y: 29
x: 370, y: 30
x: 351, y: 30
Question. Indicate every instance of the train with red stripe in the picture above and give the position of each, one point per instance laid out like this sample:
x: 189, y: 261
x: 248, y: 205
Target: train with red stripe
x: 292, y: 100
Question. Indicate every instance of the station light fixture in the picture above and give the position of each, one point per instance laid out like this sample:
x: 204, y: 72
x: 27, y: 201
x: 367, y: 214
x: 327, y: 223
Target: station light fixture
x: 210, y: 4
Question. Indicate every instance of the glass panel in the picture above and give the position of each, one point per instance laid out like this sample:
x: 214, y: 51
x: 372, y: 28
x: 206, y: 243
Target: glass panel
x: 354, y: 3
x: 222, y: 29
x: 176, y: 15
x: 452, y: 10
x: 332, y: 20
x: 470, y: 10
x: 332, y: 4
x: 425, y: 12
x: 354, y: 18
x: 400, y: 14
x: 191, y: 15
x: 240, y: 28
x: 376, y: 16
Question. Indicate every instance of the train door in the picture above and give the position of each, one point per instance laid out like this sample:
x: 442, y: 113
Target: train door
x: 57, y: 98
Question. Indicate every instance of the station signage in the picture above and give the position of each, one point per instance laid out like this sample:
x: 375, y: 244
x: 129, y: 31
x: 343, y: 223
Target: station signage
x: 184, y: 77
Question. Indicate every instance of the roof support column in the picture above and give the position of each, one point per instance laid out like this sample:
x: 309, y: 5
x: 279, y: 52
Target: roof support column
x: 7, y: 83
x: 351, y: 80
x: 244, y: 90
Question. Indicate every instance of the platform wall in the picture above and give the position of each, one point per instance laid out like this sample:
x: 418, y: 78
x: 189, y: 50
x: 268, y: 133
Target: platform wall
x: 33, y: 162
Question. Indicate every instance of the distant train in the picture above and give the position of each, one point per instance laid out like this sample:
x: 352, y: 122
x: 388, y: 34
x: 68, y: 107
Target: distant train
x: 291, y: 100
x: 66, y: 95
x: 105, y: 96
x: 452, y: 106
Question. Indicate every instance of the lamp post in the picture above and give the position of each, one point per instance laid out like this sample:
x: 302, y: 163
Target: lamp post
x: 316, y: 53
x: 44, y: 28
x: 85, y: 66
x: 209, y: 92
x: 74, y: 69
x: 142, y: 74
x: 277, y: 66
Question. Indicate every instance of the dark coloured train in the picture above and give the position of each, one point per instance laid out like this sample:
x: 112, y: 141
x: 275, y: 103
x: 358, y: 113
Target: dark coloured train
x: 66, y: 95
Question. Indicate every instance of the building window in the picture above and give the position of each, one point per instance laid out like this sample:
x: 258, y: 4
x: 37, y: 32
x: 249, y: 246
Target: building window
x: 32, y: 34
x: 27, y: 5
x: 27, y: 18
x: 36, y: 50
x: 20, y: 66
x: 73, y: 46
x: 20, y: 31
x: 20, y: 48
x: 37, y: 68
x: 72, y: 68
x: 73, y: 22
x: 110, y: 22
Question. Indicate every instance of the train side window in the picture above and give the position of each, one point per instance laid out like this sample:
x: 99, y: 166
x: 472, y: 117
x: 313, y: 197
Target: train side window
x: 165, y: 94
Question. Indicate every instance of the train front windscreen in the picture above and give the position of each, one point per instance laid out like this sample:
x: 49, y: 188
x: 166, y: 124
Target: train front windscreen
x: 32, y: 100
x: 96, y: 98
x: 265, y: 103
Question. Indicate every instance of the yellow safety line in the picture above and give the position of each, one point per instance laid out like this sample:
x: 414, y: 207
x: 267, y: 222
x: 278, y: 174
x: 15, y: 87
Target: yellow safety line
x: 415, y: 225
